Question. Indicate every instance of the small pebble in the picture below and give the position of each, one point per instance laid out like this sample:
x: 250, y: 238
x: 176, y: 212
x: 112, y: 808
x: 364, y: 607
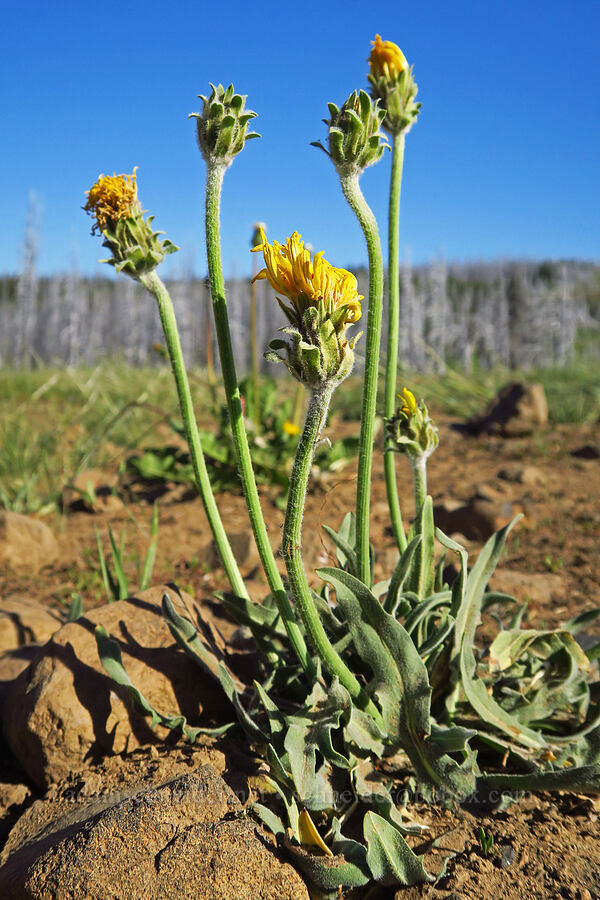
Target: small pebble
x: 508, y: 856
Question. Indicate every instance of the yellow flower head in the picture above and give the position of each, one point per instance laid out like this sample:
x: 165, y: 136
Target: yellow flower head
x: 386, y: 59
x: 111, y: 198
x: 290, y: 428
x: 308, y: 282
x: 409, y: 404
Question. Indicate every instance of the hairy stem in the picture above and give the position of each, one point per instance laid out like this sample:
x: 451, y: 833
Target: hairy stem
x: 316, y: 415
x: 154, y: 284
x: 214, y: 180
x: 419, y: 467
x: 254, y: 348
x: 368, y: 223
x: 389, y: 458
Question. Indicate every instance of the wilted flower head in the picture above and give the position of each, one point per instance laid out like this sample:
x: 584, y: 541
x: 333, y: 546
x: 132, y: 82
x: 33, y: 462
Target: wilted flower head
x: 136, y: 249
x: 323, y: 300
x: 386, y: 59
x: 111, y: 198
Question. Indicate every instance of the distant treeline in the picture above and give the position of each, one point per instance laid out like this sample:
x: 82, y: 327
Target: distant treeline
x: 517, y: 314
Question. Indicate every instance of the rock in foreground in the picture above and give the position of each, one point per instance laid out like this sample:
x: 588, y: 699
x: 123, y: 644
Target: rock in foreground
x: 168, y: 842
x: 63, y: 709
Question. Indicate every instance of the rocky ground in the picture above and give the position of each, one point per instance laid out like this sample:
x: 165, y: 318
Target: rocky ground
x: 84, y: 774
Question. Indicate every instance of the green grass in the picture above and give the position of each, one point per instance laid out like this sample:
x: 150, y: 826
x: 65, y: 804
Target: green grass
x: 573, y: 393
x: 57, y: 422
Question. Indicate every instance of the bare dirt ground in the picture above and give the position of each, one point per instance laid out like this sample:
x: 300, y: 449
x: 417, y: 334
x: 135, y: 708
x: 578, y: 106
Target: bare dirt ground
x: 544, y: 847
x: 552, y: 478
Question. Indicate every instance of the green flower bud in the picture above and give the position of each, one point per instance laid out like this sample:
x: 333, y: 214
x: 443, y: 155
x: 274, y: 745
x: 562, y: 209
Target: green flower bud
x: 323, y: 302
x: 411, y: 429
x: 393, y: 86
x: 355, y: 139
x: 135, y: 247
x: 222, y: 126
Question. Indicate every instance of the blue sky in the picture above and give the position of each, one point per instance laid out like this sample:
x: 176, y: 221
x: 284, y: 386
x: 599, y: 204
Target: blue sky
x: 502, y: 163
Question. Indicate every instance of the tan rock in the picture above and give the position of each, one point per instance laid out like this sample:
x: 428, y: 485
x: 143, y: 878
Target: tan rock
x: 517, y: 410
x: 26, y: 545
x: 527, y: 475
x: 167, y: 841
x: 477, y: 520
x: 24, y: 622
x: 64, y: 709
x: 92, y: 491
x: 536, y: 587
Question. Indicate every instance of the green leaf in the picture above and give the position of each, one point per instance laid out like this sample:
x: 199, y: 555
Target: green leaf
x: 110, y: 586
x: 188, y: 638
x: 401, y: 682
x: 327, y: 873
x: 76, y: 608
x: 230, y: 686
x: 389, y: 857
x: 117, y: 558
x: 400, y: 573
x: 111, y: 658
x: 467, y: 619
x: 348, y: 553
x: 151, y: 552
x: 421, y: 574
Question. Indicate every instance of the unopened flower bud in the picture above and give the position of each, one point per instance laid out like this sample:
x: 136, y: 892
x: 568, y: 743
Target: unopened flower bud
x: 258, y: 235
x: 222, y: 126
x: 135, y: 247
x: 411, y: 429
x: 393, y: 85
x: 355, y: 140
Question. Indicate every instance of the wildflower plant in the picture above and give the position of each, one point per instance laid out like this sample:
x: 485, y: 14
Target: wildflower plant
x: 364, y: 690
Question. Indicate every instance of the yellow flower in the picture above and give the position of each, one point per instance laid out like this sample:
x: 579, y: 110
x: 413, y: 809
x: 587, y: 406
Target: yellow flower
x: 386, y: 59
x: 308, y: 282
x: 111, y: 198
x: 409, y: 404
x: 290, y: 428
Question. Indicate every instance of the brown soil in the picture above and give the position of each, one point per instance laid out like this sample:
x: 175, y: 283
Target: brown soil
x: 543, y: 846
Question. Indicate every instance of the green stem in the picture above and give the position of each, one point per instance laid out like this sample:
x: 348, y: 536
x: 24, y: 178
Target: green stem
x: 214, y: 180
x: 254, y: 349
x: 389, y: 457
x: 419, y: 467
x: 368, y: 223
x: 316, y: 415
x: 153, y: 283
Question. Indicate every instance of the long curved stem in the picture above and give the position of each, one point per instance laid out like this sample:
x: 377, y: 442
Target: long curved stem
x: 214, y: 180
x: 389, y: 457
x: 368, y: 223
x: 292, y: 550
x: 157, y: 288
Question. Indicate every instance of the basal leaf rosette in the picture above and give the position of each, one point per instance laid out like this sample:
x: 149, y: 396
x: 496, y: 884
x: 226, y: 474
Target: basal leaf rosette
x: 323, y: 302
x: 135, y: 247
x: 393, y: 86
x: 222, y: 126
